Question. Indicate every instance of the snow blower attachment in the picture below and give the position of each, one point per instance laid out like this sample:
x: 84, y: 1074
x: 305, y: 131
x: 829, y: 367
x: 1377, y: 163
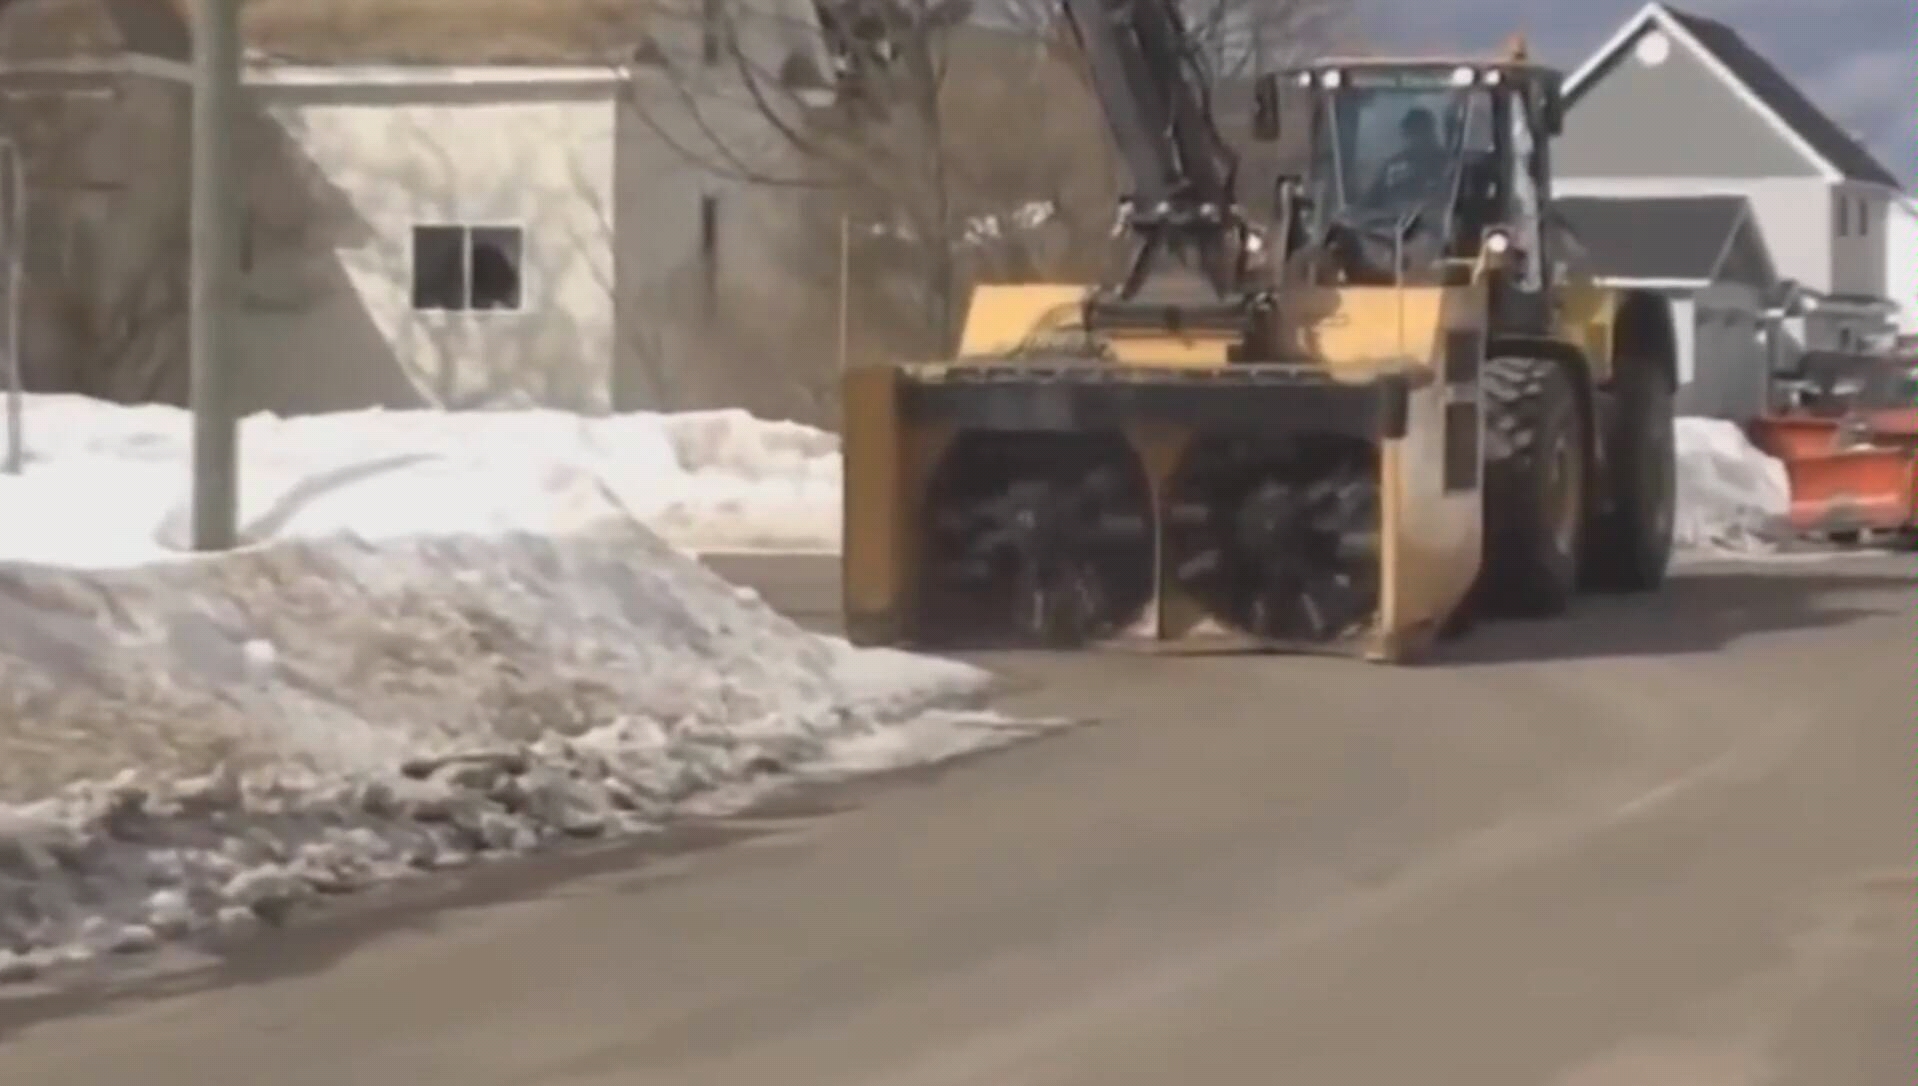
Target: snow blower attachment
x: 1056, y: 503
x: 1328, y: 429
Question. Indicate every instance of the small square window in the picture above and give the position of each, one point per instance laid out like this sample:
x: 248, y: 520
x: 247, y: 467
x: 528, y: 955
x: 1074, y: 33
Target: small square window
x: 709, y: 254
x: 493, y: 262
x: 439, y: 275
x: 464, y: 268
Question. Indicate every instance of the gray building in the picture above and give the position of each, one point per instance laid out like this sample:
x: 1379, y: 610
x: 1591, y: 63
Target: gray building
x: 1706, y: 255
x: 1678, y: 105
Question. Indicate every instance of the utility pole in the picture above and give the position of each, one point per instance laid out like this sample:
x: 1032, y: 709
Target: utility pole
x: 214, y: 264
x: 845, y: 290
x: 15, y: 249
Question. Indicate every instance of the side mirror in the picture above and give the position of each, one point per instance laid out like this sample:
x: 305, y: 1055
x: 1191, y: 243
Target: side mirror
x: 1265, y: 108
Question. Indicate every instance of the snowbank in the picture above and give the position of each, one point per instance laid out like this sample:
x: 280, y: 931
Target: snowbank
x: 450, y: 637
x: 196, y: 745
x: 1731, y: 496
x: 106, y: 485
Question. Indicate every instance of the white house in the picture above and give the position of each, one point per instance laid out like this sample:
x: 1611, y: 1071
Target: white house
x: 440, y: 213
x: 1678, y: 105
x: 1901, y: 261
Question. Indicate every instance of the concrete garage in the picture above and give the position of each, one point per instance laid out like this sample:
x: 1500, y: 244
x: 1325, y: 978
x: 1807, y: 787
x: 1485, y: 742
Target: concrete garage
x: 1705, y: 254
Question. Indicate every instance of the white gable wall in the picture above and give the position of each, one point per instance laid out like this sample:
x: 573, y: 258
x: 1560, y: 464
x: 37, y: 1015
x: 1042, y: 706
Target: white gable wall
x: 1901, y: 261
x: 426, y: 147
x: 1674, y: 121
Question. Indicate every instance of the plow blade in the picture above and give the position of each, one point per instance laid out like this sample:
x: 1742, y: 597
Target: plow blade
x: 1852, y: 490
x: 1839, y: 486
x: 1259, y: 506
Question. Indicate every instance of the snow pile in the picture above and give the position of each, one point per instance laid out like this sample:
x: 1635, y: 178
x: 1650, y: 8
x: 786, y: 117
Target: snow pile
x: 1731, y: 496
x: 450, y: 637
x: 106, y: 485
x: 195, y: 745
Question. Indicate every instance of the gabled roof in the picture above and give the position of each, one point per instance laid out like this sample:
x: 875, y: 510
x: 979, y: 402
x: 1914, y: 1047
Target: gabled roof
x: 1664, y: 238
x: 1768, y: 91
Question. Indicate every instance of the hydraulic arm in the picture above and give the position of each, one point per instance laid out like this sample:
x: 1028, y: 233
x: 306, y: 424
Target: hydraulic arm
x: 1151, y: 83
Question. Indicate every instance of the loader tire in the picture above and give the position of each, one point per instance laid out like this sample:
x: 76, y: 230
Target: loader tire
x: 1535, y: 472
x: 1629, y: 546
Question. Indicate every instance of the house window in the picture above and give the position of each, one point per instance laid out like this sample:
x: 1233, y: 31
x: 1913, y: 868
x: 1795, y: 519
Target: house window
x: 464, y: 268
x: 1842, y: 209
x: 709, y: 253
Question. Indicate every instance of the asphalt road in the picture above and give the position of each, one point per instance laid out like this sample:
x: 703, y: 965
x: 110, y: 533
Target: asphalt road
x: 1664, y: 843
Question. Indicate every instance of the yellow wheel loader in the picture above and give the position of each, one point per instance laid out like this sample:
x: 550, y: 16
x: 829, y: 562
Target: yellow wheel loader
x: 1350, y: 414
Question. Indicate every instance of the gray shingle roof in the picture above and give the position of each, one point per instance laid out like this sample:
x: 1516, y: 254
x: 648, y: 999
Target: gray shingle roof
x: 1783, y: 97
x: 1664, y: 237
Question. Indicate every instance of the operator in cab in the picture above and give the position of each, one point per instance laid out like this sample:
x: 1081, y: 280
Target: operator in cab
x: 1418, y: 169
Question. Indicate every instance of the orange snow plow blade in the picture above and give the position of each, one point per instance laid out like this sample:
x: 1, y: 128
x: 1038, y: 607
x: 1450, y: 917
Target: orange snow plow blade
x: 1838, y: 486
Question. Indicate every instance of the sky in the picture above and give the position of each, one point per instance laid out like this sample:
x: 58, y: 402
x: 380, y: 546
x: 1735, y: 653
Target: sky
x: 1858, y: 59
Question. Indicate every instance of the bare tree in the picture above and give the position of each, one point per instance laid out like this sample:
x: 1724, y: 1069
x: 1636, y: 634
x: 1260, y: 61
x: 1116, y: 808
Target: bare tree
x: 1233, y: 39
x: 105, y: 280
x: 949, y: 148
x: 960, y: 144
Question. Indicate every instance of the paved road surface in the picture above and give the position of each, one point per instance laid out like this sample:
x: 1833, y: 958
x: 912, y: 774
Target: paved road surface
x: 1664, y: 844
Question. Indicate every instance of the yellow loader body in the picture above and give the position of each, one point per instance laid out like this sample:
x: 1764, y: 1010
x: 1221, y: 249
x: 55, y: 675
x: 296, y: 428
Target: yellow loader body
x: 1381, y: 384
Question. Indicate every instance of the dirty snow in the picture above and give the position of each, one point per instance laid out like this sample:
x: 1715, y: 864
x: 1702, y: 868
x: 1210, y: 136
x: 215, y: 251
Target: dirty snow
x: 1731, y: 496
x: 455, y: 638
x: 195, y: 746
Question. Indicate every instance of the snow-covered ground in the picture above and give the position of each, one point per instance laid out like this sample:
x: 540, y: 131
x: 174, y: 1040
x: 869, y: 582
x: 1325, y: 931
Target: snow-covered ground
x: 454, y: 637
x: 450, y: 637
x: 107, y: 484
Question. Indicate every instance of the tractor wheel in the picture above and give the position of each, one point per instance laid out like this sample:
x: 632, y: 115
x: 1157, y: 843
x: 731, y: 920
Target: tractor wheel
x: 1534, y: 489
x: 1629, y: 546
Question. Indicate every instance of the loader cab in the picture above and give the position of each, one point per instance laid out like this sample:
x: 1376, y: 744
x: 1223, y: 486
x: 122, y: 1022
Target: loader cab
x: 1415, y: 168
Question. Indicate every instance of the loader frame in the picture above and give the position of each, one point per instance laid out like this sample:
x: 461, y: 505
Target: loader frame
x: 1517, y: 414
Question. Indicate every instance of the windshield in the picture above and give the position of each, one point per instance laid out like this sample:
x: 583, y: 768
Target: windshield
x: 1390, y: 150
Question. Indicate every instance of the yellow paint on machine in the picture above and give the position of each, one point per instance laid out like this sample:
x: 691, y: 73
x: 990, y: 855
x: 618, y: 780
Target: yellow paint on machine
x: 1430, y: 545
x: 885, y: 465
x: 1430, y: 536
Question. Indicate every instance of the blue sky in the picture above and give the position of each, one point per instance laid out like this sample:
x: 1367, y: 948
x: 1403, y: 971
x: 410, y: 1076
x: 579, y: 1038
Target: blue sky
x: 1856, y: 58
